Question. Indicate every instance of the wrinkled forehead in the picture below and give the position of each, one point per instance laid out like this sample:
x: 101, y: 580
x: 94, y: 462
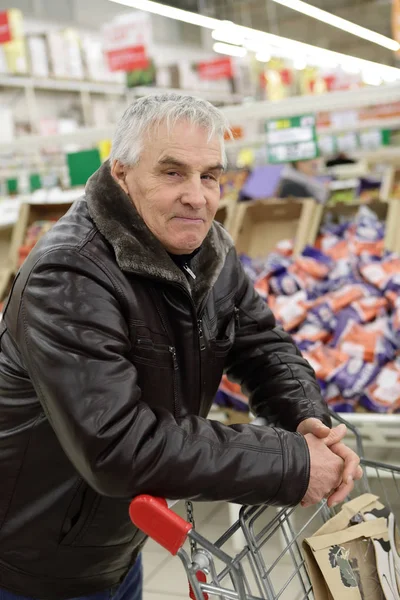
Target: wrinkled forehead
x: 186, y: 140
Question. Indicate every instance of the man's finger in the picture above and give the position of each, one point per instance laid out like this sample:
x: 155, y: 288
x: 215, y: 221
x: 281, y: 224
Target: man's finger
x: 314, y: 426
x: 336, y: 435
x: 359, y: 473
x: 340, y: 494
x: 351, y: 461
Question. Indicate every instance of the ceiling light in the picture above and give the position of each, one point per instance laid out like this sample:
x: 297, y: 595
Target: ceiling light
x: 229, y: 34
x: 229, y: 50
x: 259, y: 38
x: 263, y: 56
x: 172, y: 13
x: 343, y: 24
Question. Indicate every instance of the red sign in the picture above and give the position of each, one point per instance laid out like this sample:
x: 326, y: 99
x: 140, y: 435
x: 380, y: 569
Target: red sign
x: 5, y: 29
x: 221, y: 68
x: 128, y: 59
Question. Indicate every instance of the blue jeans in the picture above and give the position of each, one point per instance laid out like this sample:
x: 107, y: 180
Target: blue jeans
x: 130, y: 588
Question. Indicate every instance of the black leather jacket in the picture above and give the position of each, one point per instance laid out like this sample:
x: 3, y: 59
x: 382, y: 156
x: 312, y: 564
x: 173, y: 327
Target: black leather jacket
x: 110, y: 359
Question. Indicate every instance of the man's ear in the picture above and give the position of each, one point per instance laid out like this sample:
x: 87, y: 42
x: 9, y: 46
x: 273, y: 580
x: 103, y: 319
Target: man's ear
x: 118, y: 172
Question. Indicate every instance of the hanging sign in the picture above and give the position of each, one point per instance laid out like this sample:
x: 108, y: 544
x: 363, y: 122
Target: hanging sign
x: 5, y: 28
x: 220, y: 68
x: 292, y: 139
x: 127, y: 42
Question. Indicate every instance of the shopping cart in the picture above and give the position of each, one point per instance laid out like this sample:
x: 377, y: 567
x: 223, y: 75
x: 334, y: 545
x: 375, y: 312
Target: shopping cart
x: 270, y: 566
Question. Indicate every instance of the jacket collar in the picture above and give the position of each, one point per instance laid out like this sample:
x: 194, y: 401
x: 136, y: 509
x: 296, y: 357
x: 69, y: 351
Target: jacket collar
x: 138, y: 251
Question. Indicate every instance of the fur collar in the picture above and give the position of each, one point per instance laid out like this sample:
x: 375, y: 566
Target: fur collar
x: 138, y: 251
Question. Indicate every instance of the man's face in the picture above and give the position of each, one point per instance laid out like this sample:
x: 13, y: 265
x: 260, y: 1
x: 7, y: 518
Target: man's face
x: 175, y: 185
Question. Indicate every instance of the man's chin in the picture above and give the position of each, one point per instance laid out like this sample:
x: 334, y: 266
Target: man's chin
x: 187, y: 246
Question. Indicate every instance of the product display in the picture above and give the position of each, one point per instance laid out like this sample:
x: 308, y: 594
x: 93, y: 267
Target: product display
x: 33, y: 235
x: 341, y: 302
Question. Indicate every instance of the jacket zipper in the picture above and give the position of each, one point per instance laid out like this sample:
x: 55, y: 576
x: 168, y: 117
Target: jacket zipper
x: 198, y: 317
x: 176, y: 375
x: 237, y: 318
x: 201, y: 335
x: 189, y: 270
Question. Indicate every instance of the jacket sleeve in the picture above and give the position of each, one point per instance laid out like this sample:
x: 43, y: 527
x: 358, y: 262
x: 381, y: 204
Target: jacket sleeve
x: 280, y: 383
x: 74, y: 341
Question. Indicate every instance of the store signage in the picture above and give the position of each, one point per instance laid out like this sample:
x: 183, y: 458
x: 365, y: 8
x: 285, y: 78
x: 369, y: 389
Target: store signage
x: 220, y: 68
x: 128, y: 59
x: 292, y: 139
x: 348, y: 142
x: 5, y: 28
x: 127, y: 42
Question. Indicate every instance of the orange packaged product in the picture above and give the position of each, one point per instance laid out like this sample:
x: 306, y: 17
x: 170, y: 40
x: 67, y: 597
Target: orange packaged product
x: 366, y: 342
x: 383, y: 395
x: 359, y: 247
x: 316, y: 269
x: 291, y: 310
x: 262, y: 287
x: 341, y: 298
x: 325, y: 360
x: 310, y: 334
x: 380, y: 273
x: 369, y: 308
x: 338, y: 251
x: 233, y: 390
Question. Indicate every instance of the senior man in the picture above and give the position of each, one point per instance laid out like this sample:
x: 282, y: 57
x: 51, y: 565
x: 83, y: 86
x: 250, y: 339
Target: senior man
x: 114, y: 338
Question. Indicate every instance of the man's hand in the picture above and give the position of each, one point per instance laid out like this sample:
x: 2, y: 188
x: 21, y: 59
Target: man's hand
x: 326, y: 470
x: 332, y: 438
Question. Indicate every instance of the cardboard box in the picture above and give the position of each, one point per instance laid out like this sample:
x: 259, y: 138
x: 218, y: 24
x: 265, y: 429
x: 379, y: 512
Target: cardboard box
x: 226, y: 214
x: 260, y: 224
x: 389, y: 212
x: 14, y: 238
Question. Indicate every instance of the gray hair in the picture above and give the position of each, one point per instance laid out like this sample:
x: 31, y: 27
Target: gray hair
x: 149, y: 111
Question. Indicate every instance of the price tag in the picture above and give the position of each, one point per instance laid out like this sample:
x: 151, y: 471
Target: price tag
x: 292, y: 139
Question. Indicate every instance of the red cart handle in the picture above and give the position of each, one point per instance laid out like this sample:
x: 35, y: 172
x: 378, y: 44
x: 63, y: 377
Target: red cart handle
x: 156, y: 520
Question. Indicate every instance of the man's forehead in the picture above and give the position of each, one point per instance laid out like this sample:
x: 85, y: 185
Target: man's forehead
x: 209, y: 162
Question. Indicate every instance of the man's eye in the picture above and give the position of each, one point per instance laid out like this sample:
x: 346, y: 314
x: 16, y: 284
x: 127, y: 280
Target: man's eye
x: 209, y: 177
x: 172, y: 173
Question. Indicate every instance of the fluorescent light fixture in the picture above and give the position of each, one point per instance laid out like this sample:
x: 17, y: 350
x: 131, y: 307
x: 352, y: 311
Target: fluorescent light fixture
x: 222, y: 48
x: 228, y: 33
x: 339, y: 23
x: 263, y: 56
x: 171, y: 13
x: 261, y: 39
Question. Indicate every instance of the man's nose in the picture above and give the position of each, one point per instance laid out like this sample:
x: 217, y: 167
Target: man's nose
x: 193, y: 193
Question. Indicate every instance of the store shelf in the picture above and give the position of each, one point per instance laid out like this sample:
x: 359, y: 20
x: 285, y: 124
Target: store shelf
x: 210, y: 95
x: 392, y: 123
x: 332, y: 101
x: 85, y: 135
x: 73, y: 85
x: 62, y: 85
